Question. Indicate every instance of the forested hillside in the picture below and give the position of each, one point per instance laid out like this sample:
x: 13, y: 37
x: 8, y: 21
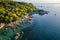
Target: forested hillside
x: 11, y: 10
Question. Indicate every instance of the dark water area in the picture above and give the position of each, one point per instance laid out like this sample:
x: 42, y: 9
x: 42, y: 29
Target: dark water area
x: 45, y: 27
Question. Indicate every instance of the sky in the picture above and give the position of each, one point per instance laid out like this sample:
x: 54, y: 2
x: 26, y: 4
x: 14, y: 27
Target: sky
x: 40, y: 1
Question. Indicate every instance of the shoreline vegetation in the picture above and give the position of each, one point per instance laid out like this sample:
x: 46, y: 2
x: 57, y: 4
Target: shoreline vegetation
x: 12, y: 15
x: 11, y: 11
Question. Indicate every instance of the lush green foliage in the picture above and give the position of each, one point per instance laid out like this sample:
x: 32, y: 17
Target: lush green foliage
x: 11, y: 10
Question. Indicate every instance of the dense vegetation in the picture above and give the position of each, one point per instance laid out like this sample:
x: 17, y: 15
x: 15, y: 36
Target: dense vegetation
x: 11, y: 10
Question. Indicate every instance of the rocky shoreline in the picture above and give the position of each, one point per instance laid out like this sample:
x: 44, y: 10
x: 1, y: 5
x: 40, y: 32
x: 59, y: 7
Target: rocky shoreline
x: 17, y: 23
x: 26, y: 18
x: 15, y: 26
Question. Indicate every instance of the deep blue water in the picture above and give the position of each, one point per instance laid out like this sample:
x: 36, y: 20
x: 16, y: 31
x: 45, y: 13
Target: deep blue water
x: 45, y: 27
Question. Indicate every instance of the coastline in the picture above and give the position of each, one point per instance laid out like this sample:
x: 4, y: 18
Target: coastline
x: 16, y: 23
x: 14, y: 15
x: 16, y: 27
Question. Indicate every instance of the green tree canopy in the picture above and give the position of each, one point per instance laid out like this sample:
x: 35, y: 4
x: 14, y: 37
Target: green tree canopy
x: 11, y: 10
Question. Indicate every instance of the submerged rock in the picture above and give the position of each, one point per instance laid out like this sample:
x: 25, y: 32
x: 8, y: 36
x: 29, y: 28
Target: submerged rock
x: 17, y: 36
x: 30, y: 20
x: 2, y: 25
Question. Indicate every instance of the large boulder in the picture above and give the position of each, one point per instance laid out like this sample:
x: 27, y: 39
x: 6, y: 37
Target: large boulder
x: 2, y: 25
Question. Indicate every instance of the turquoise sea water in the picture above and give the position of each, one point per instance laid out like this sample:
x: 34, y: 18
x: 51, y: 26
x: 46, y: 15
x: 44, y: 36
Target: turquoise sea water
x: 45, y: 27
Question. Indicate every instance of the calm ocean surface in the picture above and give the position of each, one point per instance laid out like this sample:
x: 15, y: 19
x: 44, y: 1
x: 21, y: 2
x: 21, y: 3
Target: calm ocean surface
x: 45, y: 27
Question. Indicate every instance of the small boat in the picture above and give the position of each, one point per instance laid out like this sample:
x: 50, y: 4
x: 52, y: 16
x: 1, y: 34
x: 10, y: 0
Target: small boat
x: 55, y: 14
